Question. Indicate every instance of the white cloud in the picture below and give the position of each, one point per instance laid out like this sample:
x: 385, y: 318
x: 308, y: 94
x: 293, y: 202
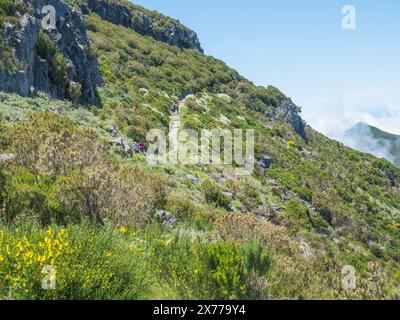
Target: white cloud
x: 340, y: 111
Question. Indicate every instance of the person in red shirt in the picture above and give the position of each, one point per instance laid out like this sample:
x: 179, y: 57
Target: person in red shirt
x: 142, y: 147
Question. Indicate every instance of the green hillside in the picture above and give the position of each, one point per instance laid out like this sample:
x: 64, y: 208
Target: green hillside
x: 115, y: 227
x: 372, y: 140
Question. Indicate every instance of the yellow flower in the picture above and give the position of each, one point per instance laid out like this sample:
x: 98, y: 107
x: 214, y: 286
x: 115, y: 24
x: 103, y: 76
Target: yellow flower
x: 123, y: 230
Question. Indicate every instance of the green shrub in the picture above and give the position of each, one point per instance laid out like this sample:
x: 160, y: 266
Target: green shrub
x: 8, y: 60
x: 125, y: 195
x: 257, y: 263
x: 214, y: 195
x: 58, y: 65
x: 74, y: 91
x: 29, y: 197
x: 182, y: 207
x: 7, y: 7
x: 58, y: 69
x: 88, y: 263
x: 224, y: 263
x: 298, y: 214
x: 45, y: 47
x: 256, y: 258
x: 46, y: 143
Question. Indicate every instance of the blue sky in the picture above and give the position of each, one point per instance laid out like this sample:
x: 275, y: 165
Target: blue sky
x: 338, y: 76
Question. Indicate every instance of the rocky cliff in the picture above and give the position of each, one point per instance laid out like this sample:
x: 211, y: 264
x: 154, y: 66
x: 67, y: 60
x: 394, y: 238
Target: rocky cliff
x: 144, y: 22
x: 74, y: 74
x: 73, y: 70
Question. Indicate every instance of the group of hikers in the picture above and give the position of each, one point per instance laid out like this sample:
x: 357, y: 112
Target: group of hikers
x: 139, y: 147
x: 136, y: 148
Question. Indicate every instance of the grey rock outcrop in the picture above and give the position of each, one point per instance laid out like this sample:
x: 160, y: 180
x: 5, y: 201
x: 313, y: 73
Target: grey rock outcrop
x: 265, y: 162
x: 281, y: 108
x: 166, y: 219
x: 162, y: 29
x: 22, y: 77
x: 32, y: 72
x: 289, y: 113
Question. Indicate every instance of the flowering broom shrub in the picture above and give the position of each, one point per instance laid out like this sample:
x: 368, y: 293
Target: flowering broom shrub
x: 77, y: 262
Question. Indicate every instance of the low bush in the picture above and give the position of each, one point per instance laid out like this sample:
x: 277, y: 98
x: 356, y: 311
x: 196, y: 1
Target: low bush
x: 58, y: 65
x: 76, y: 262
x: 196, y: 270
x: 214, y: 195
x: 46, y: 143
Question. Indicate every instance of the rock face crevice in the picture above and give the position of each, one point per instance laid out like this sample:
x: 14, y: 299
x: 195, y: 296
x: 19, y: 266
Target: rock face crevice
x: 21, y: 77
x: 32, y: 72
x: 165, y: 30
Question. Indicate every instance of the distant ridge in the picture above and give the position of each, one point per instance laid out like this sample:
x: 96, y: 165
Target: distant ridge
x: 369, y: 139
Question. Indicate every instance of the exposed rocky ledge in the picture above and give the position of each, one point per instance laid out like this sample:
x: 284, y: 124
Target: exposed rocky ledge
x: 32, y: 72
x: 163, y: 29
x: 290, y: 113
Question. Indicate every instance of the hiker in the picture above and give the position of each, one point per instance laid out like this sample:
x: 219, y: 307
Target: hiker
x: 142, y: 147
x: 112, y: 131
x: 128, y: 150
x: 119, y: 143
x: 136, y: 147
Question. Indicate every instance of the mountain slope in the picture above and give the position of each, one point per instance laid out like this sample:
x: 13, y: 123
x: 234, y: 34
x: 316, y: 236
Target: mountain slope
x: 286, y: 231
x: 372, y: 140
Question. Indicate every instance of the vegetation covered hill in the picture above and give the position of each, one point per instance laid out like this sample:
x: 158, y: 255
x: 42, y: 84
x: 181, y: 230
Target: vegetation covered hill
x: 372, y: 140
x: 114, y: 227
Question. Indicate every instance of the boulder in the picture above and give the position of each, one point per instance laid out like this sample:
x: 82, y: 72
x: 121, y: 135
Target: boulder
x: 273, y: 183
x: 305, y: 250
x: 284, y: 197
x: 193, y: 179
x: 229, y: 195
x: 166, y: 219
x: 265, y: 162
